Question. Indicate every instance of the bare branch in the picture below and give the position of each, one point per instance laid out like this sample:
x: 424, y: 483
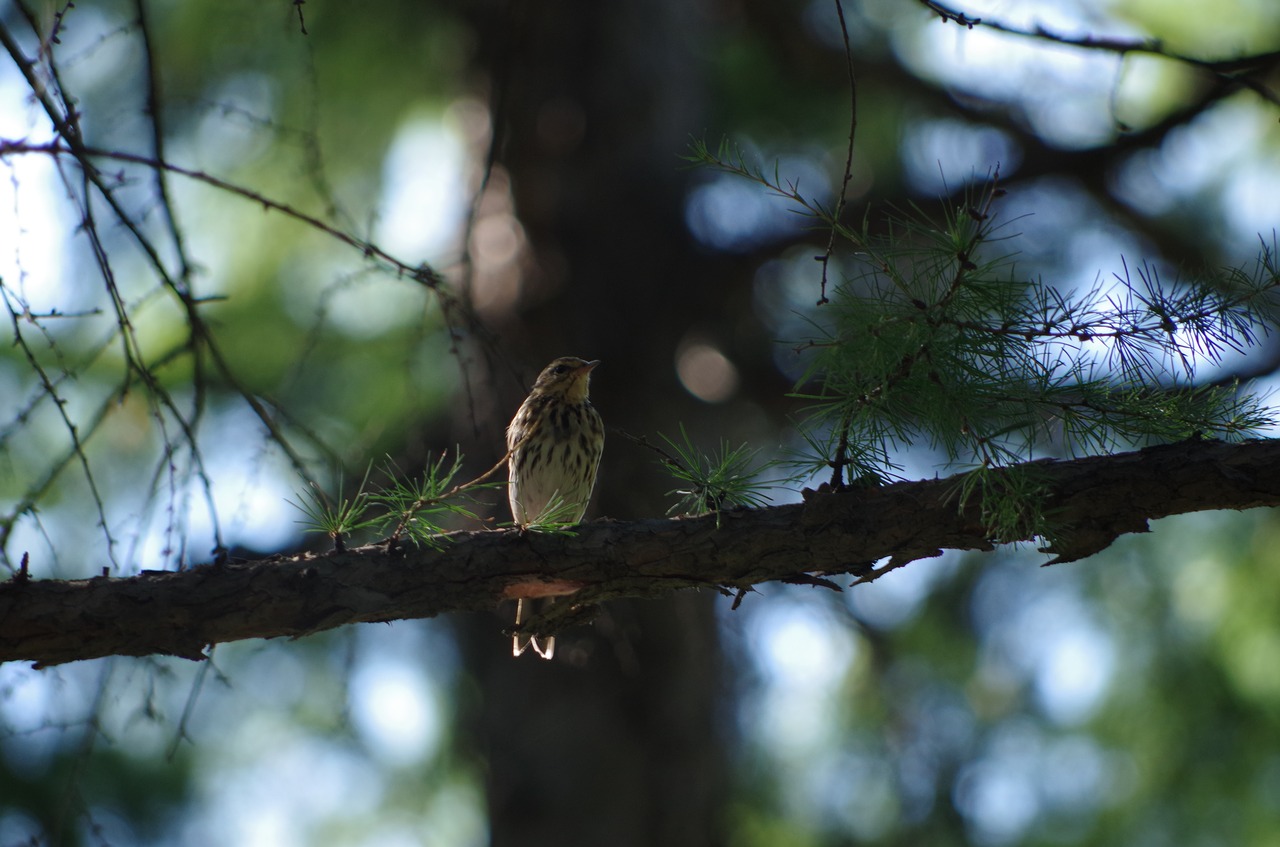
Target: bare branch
x: 1240, y: 70
x: 1099, y: 498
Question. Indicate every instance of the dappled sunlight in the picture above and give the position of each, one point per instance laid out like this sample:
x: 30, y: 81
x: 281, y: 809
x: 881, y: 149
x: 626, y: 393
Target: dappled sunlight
x: 941, y: 156
x: 424, y: 196
x: 395, y: 711
x: 1223, y: 161
x: 1024, y: 776
x: 281, y: 765
x: 311, y: 782
x: 727, y: 213
x: 243, y: 250
x: 32, y: 222
x: 803, y: 656
x: 1045, y: 634
x: 1064, y: 93
x: 34, y: 703
x: 251, y: 489
x: 1074, y: 674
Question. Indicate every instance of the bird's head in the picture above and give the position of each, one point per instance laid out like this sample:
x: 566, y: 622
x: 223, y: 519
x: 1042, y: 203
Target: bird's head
x: 567, y: 377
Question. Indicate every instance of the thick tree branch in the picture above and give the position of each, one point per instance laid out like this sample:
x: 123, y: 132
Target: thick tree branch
x: 1098, y: 499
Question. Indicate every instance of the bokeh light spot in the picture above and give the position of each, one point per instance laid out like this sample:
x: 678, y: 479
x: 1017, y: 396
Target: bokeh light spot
x: 706, y: 373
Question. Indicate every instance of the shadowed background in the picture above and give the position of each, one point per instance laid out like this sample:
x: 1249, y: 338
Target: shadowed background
x: 532, y: 154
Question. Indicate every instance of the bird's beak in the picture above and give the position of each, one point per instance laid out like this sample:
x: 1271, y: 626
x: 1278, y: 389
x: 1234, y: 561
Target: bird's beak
x: 588, y: 367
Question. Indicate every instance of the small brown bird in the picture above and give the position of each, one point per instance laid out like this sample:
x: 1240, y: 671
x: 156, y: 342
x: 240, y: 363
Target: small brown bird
x: 554, y: 441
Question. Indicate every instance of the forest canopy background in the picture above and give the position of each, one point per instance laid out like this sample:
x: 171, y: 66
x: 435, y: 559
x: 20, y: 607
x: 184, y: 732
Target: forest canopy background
x: 374, y: 225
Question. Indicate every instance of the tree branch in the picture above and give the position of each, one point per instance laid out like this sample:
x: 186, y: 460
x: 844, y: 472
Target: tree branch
x: 1098, y: 499
x: 1240, y: 70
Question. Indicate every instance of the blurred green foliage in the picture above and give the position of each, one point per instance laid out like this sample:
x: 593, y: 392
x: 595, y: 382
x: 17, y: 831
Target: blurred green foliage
x: 1129, y: 699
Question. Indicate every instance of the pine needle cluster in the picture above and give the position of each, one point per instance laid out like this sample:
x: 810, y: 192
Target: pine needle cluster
x: 727, y: 478
x: 934, y: 340
x: 402, y: 508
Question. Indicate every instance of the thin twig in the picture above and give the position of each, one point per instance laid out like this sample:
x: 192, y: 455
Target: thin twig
x: 825, y: 258
x: 641, y: 441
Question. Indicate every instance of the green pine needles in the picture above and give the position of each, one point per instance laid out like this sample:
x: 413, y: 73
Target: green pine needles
x: 415, y: 507
x: 338, y: 519
x: 403, y: 508
x: 728, y: 478
x: 933, y: 340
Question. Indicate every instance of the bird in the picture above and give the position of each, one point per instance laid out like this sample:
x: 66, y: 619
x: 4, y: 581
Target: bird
x: 554, y: 444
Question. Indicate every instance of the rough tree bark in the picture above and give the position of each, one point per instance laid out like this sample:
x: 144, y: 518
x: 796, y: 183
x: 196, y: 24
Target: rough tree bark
x: 829, y: 534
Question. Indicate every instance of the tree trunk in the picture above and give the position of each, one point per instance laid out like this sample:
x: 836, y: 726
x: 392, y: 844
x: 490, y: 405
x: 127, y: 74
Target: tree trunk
x: 614, y: 741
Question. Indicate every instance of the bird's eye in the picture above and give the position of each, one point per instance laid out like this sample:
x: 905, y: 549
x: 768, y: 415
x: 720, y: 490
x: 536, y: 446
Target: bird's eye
x: 561, y: 368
